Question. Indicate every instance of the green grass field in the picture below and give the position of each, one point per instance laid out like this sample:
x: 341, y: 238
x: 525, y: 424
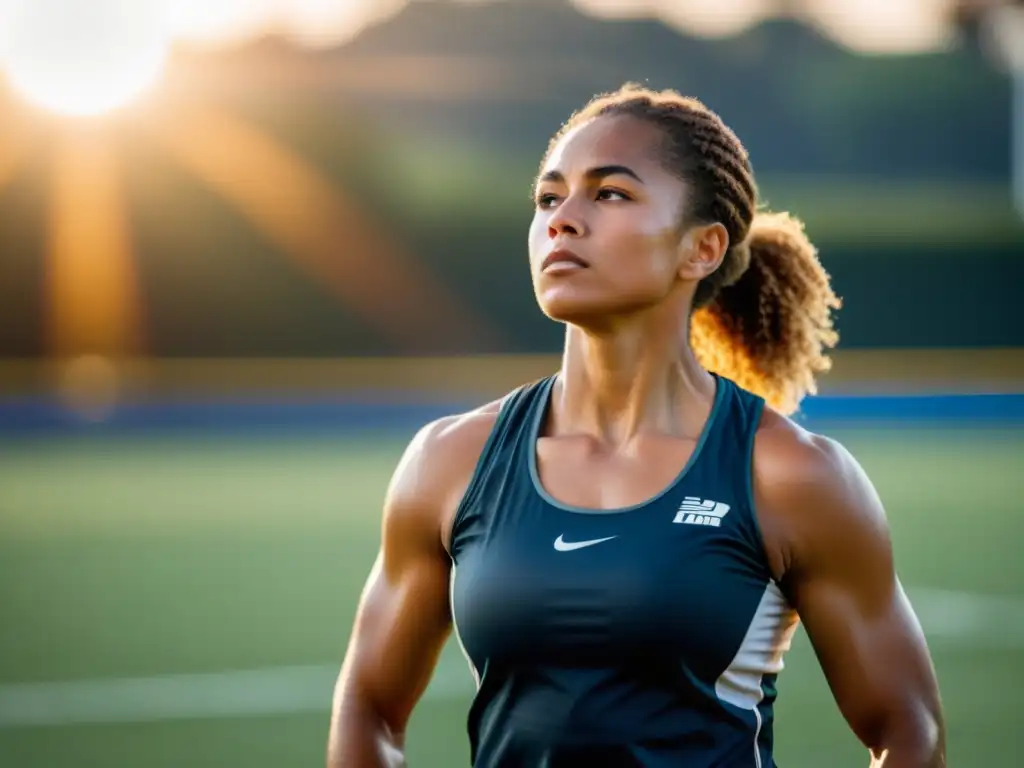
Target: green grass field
x: 183, y: 601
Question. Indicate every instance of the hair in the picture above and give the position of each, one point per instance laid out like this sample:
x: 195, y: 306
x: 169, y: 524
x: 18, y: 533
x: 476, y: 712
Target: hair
x: 764, y: 318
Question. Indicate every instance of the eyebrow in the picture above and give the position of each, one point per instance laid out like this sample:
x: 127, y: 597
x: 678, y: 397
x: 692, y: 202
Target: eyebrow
x: 599, y: 172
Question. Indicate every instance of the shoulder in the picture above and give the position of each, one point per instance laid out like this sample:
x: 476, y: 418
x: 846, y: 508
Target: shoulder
x: 790, y: 457
x: 434, y: 472
x: 813, y: 497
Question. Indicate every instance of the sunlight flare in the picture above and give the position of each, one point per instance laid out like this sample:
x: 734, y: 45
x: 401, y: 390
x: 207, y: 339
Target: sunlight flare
x: 91, y: 282
x: 12, y: 149
x: 324, y: 231
x: 82, y: 57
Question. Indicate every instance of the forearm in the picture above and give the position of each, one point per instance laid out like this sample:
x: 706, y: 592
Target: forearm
x: 359, y: 738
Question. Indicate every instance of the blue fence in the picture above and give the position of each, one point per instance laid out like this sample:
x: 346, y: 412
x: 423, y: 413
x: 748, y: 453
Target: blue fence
x: 42, y: 416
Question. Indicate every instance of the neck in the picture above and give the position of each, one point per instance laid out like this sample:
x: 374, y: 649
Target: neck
x: 641, y: 377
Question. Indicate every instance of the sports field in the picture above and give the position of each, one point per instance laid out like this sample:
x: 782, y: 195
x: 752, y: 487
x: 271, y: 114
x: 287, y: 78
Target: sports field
x: 185, y: 600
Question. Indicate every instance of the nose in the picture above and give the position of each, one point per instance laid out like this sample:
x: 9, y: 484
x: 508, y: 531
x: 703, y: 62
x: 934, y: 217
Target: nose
x: 566, y: 220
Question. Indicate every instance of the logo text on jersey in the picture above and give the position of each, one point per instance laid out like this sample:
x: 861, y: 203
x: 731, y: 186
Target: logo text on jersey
x: 697, y: 511
x: 568, y: 546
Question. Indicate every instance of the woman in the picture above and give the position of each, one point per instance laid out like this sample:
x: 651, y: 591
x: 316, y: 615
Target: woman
x: 627, y: 546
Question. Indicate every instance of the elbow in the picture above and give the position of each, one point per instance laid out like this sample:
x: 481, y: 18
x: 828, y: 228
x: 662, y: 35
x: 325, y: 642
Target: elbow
x: 360, y: 735
x: 912, y: 740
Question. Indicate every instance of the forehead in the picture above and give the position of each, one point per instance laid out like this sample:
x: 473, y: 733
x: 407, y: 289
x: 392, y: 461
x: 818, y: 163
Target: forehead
x: 608, y: 140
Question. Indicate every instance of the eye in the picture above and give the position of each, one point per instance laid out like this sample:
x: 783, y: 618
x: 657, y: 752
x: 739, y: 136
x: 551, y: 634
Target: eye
x: 606, y: 193
x: 546, y: 200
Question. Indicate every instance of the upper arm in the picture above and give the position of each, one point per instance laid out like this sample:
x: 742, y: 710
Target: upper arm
x: 403, y: 617
x: 842, y: 581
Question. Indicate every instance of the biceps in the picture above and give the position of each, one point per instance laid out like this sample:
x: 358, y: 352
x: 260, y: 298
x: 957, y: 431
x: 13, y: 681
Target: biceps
x: 401, y: 625
x: 873, y: 653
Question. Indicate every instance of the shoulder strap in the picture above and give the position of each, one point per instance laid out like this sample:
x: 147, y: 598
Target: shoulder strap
x: 513, y: 416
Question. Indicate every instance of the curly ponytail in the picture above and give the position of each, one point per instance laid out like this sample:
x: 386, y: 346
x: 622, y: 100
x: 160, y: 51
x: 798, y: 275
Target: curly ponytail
x: 764, y: 318
x: 769, y: 330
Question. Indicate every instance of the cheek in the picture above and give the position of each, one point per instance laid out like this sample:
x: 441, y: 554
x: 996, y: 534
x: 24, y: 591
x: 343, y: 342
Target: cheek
x: 538, y: 235
x: 650, y: 249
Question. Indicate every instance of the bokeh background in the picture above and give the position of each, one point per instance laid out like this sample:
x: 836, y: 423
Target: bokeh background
x: 247, y: 247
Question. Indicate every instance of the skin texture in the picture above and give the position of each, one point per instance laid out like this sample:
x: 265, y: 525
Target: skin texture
x: 628, y: 406
x: 403, y: 618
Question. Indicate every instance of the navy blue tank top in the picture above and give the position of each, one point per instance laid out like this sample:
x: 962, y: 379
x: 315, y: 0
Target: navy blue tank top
x: 646, y: 636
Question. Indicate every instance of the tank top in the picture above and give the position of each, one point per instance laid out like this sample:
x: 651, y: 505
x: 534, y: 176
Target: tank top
x: 646, y: 636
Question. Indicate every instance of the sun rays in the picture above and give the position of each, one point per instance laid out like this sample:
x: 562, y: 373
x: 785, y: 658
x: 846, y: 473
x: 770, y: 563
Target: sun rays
x: 12, y: 148
x: 321, y: 229
x: 88, y: 62
x: 93, y: 299
x: 92, y: 292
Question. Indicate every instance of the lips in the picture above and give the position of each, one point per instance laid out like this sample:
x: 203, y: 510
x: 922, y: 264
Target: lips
x: 563, y: 258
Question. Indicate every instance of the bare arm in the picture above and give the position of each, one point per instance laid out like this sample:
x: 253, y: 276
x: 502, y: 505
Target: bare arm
x: 841, y: 579
x: 403, y: 617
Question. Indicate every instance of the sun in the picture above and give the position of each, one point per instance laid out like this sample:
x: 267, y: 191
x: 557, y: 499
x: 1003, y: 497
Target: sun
x: 81, y: 57
x: 85, y: 57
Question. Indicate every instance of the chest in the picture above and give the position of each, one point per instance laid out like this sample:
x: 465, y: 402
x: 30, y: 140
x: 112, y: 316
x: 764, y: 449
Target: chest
x: 677, y: 579
x: 578, y: 472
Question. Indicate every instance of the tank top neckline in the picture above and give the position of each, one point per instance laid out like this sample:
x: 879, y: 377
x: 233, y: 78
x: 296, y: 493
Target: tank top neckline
x: 533, y: 435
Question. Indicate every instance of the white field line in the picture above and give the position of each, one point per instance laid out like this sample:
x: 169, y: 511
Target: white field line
x: 969, y: 620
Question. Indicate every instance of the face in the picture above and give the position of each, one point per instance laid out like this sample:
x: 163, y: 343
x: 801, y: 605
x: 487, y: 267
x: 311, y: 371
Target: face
x: 606, y: 238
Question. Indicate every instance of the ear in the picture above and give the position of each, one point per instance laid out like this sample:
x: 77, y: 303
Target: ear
x: 701, y: 251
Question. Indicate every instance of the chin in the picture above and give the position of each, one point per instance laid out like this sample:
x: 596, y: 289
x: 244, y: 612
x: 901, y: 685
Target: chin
x: 573, y: 308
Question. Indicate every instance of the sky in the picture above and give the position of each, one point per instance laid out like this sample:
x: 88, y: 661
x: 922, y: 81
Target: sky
x: 866, y: 25
x: 86, y: 57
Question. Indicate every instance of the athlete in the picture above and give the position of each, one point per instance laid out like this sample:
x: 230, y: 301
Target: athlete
x: 627, y: 546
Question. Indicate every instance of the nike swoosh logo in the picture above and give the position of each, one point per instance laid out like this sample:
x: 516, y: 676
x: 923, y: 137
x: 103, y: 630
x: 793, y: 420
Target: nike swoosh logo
x: 568, y: 546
